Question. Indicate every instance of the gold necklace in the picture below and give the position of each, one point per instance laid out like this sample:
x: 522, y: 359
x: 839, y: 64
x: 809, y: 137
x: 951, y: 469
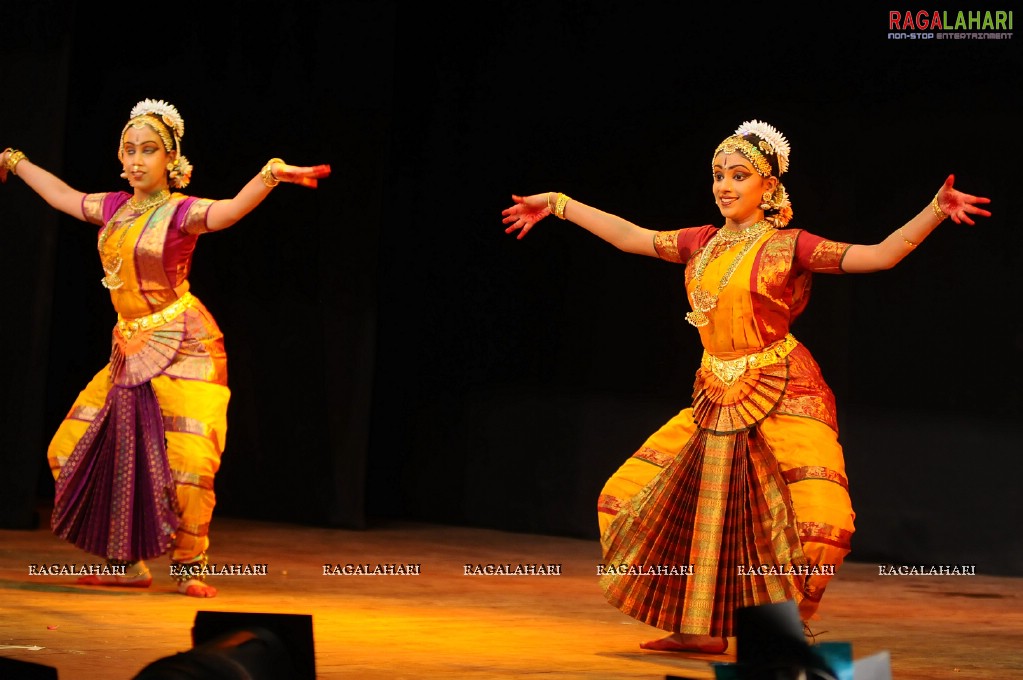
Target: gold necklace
x: 703, y: 300
x: 159, y: 198
x: 112, y: 262
x: 733, y: 236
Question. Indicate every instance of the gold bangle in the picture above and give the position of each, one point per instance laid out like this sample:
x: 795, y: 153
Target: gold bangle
x: 267, y: 173
x: 559, y: 207
x: 908, y: 242
x: 550, y: 207
x: 13, y: 158
x: 938, y: 212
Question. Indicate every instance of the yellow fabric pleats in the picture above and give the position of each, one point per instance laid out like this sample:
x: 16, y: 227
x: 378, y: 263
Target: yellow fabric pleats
x: 812, y: 463
x: 195, y: 419
x: 821, y: 507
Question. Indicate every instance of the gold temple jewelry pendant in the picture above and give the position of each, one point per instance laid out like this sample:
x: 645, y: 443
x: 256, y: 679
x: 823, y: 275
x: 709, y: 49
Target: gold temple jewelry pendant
x: 111, y: 268
x: 111, y: 281
x: 697, y: 318
x: 704, y: 301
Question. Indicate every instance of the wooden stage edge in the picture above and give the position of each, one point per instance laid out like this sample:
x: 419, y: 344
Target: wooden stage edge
x: 443, y: 623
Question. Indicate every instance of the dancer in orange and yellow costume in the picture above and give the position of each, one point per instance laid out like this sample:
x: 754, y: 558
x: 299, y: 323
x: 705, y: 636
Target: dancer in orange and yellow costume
x: 135, y: 458
x: 741, y: 499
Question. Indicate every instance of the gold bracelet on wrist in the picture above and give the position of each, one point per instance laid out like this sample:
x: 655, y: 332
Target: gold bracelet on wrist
x: 550, y: 206
x: 559, y: 206
x: 13, y: 158
x: 908, y: 242
x: 267, y: 173
x: 938, y: 212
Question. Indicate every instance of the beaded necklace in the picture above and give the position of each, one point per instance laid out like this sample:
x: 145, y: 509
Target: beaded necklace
x: 703, y: 300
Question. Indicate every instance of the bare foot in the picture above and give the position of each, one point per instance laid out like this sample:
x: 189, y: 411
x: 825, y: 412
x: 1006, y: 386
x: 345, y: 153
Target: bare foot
x: 137, y: 576
x: 684, y: 642
x: 196, y: 588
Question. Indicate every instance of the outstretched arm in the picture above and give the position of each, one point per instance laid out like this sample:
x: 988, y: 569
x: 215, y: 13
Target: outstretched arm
x: 948, y: 202
x: 53, y: 189
x: 226, y: 212
x: 622, y: 234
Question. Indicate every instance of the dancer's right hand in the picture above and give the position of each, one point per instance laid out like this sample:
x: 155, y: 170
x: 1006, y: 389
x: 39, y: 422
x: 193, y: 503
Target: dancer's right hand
x: 527, y: 211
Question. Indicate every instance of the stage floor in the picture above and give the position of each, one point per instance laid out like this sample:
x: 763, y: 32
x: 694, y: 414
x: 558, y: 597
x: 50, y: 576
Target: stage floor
x: 443, y: 623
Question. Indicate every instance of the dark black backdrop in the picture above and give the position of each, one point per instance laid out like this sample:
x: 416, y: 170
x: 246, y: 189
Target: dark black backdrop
x: 394, y: 355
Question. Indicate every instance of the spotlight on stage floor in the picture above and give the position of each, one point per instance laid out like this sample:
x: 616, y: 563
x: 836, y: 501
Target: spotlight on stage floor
x: 241, y: 645
x: 12, y: 669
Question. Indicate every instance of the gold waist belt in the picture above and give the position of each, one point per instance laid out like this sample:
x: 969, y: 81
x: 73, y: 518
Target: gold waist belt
x: 730, y: 370
x: 129, y: 327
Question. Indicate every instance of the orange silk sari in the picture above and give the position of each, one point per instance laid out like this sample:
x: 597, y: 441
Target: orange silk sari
x: 744, y: 493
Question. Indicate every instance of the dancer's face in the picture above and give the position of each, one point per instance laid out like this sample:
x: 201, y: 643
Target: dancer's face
x: 738, y: 189
x: 144, y: 160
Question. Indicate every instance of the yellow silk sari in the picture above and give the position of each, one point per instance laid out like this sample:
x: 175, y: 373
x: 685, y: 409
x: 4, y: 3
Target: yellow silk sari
x: 167, y: 337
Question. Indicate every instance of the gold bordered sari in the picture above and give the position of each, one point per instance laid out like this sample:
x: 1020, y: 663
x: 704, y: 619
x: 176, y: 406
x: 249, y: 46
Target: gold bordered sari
x: 745, y: 492
x: 167, y: 339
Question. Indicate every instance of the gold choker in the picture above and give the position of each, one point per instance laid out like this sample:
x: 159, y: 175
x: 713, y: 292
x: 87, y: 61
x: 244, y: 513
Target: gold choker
x: 157, y: 199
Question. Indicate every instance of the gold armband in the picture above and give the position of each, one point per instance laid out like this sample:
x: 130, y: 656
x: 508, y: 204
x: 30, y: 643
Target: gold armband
x: 908, y: 242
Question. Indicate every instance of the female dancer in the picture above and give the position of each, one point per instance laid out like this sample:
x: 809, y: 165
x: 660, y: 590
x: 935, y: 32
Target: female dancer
x: 134, y: 459
x: 741, y: 499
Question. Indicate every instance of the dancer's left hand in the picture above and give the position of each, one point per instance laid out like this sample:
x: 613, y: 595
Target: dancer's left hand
x: 301, y: 175
x: 960, y: 206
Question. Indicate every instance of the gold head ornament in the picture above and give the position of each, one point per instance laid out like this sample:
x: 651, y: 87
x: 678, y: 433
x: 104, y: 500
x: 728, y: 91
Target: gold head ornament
x: 758, y: 142
x: 771, y: 143
x: 165, y: 120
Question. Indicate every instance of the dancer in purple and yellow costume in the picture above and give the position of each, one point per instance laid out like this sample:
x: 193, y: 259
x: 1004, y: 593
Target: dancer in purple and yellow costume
x: 745, y: 492
x: 135, y: 458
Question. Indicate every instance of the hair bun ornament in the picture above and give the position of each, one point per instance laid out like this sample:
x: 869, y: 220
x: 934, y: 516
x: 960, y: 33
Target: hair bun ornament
x: 780, y: 212
x: 167, y: 113
x: 771, y: 135
x: 180, y: 172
